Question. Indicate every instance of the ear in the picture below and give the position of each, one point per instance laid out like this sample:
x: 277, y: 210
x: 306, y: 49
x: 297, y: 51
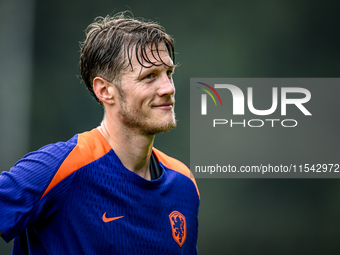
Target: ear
x: 103, y: 90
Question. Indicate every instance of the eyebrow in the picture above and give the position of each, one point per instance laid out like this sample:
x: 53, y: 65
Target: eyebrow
x: 145, y: 70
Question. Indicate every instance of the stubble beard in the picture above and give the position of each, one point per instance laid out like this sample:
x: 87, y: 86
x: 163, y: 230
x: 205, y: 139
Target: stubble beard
x: 138, y: 121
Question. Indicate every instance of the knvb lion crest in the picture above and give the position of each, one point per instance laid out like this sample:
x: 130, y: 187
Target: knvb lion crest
x: 178, y: 227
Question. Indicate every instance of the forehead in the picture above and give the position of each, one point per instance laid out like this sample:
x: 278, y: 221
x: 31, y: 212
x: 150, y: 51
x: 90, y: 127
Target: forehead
x: 148, y: 57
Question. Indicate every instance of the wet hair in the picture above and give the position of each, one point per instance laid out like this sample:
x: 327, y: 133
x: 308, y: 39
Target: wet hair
x: 111, y: 42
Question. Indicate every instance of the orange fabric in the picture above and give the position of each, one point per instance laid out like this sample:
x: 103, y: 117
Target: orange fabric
x: 90, y: 147
x: 175, y: 165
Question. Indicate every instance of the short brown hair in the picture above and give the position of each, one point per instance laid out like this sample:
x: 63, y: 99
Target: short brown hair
x: 110, y: 43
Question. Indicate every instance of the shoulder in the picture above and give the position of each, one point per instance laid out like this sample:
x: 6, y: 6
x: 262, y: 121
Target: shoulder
x: 38, y: 167
x: 89, y: 147
x: 175, y: 164
x: 38, y: 184
x: 54, y: 162
x: 172, y: 163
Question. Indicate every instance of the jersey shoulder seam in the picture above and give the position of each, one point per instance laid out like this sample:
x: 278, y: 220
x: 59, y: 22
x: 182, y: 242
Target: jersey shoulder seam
x: 90, y: 146
x: 175, y: 165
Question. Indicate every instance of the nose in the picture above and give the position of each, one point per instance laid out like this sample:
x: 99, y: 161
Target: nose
x: 167, y: 87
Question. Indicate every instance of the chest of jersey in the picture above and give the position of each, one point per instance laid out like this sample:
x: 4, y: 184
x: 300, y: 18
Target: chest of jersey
x: 111, y: 210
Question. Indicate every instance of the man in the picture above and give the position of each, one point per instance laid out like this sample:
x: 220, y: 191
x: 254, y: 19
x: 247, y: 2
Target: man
x: 108, y: 191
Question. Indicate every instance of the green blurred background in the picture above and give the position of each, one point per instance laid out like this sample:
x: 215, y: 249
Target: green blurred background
x: 42, y: 101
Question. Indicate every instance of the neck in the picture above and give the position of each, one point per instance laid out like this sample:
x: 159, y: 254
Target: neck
x: 133, y: 149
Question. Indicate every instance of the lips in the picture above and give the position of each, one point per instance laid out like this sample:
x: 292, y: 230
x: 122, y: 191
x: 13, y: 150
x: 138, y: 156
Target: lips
x: 165, y: 106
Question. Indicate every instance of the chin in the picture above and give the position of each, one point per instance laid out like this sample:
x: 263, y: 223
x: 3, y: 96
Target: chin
x: 156, y: 129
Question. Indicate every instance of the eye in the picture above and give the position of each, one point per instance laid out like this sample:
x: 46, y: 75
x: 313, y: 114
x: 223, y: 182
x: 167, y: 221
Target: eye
x: 150, y: 76
x: 170, y: 72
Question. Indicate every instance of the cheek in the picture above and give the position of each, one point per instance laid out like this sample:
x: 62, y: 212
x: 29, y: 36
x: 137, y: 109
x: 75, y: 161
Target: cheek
x: 138, y: 95
x: 142, y: 96
x: 136, y: 102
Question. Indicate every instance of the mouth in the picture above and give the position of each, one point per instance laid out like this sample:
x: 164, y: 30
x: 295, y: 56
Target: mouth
x: 164, y: 106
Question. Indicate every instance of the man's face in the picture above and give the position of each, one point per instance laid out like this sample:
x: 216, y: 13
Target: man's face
x: 146, y: 101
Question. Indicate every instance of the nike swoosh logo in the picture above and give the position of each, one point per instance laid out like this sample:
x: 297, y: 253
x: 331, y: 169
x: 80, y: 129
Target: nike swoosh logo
x: 110, y: 219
